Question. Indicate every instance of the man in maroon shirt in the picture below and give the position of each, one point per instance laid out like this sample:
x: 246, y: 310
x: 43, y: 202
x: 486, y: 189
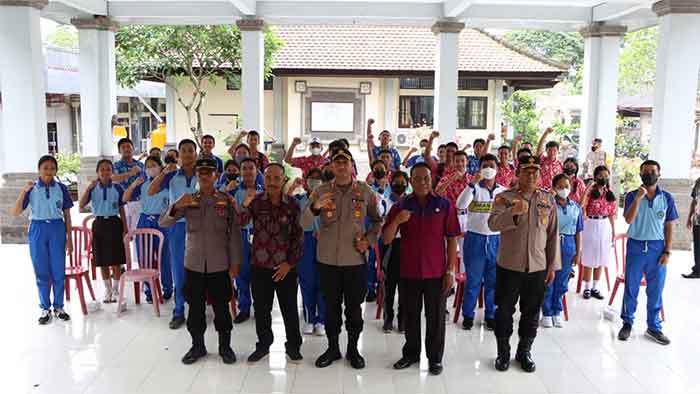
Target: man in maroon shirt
x: 425, y: 221
x: 277, y: 247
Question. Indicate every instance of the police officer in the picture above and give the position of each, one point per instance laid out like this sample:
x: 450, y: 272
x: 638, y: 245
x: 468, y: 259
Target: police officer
x: 342, y: 205
x: 528, y: 256
x: 212, y: 257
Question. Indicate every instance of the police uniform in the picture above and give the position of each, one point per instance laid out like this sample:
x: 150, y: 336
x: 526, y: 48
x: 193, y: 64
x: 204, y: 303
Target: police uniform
x: 529, y: 248
x: 212, y: 246
x: 47, y: 239
x: 108, y: 228
x: 243, y: 278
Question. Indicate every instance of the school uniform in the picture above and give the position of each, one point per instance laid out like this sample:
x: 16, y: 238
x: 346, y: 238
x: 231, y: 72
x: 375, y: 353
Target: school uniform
x: 645, y: 246
x: 47, y: 239
x: 107, y: 229
x: 570, y: 217
x: 132, y: 209
x: 309, y: 279
x: 382, y: 194
x: 151, y: 209
x: 243, y: 278
x: 177, y: 184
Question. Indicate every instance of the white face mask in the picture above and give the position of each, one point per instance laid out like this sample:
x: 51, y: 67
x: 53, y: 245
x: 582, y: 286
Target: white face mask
x: 313, y: 183
x: 316, y: 151
x: 152, y: 172
x: 488, y: 173
x: 563, y: 193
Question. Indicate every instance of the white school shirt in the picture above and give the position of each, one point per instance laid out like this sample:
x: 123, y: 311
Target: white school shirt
x: 477, y: 200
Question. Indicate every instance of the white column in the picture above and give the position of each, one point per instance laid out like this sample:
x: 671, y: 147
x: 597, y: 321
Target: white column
x: 600, y: 67
x: 446, y: 73
x: 252, y: 73
x: 497, y: 113
x: 278, y: 106
x: 677, y: 67
x: 170, y: 105
x: 390, y: 118
x: 510, y: 134
x: 22, y: 77
x: 98, y: 85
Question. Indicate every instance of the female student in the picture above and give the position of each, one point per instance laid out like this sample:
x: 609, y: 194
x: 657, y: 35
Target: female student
x: 599, y: 211
x: 109, y: 227
x: 49, y: 235
x: 570, y: 218
x: 228, y: 181
x: 151, y: 208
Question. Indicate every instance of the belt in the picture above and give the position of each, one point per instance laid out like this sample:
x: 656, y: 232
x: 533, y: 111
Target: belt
x: 597, y: 217
x: 106, y: 217
x: 562, y: 236
x: 462, y: 211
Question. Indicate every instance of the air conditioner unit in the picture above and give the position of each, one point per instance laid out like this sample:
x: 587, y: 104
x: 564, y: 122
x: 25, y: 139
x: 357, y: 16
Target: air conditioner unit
x: 403, y: 138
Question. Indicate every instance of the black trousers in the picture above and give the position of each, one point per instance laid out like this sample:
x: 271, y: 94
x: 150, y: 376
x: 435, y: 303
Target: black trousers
x: 529, y: 289
x: 696, y: 248
x: 264, y: 289
x: 197, y: 286
x: 343, y: 284
x: 415, y: 293
x: 392, y: 274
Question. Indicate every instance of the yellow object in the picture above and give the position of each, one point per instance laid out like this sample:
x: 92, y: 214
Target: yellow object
x: 119, y: 131
x: 158, y: 136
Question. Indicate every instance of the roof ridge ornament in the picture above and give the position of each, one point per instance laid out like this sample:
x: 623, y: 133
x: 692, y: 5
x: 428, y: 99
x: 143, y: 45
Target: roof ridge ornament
x: 98, y: 22
x: 38, y: 4
x: 665, y: 7
x: 600, y: 29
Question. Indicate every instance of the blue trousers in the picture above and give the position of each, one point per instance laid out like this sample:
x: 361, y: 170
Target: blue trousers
x: 479, y: 256
x: 243, y: 278
x: 552, y: 305
x: 371, y: 271
x: 47, y: 248
x: 643, y: 260
x: 166, y: 273
x: 309, y: 282
x: 178, y: 233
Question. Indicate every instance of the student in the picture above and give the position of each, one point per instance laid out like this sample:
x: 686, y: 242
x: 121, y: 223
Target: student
x: 409, y: 161
x: 570, y: 217
x: 248, y: 173
x: 481, y: 147
x: 693, y: 224
x: 599, y: 211
x: 578, y: 187
x: 384, y: 144
x: 551, y: 165
x: 178, y: 182
x: 126, y: 171
x: 381, y: 187
x: 650, y: 212
x: 208, y: 144
x: 228, y: 181
x: 253, y: 141
x: 49, y: 235
x: 241, y: 152
x: 306, y: 163
x: 455, y: 181
x: 506, y: 171
x: 109, y: 227
x: 151, y: 208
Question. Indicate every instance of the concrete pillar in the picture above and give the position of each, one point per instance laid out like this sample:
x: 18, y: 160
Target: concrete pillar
x: 24, y: 138
x: 446, y: 74
x: 98, y: 93
x: 252, y: 73
x: 497, y: 113
x: 601, y: 55
x: 390, y: 98
x: 170, y: 105
x: 278, y: 106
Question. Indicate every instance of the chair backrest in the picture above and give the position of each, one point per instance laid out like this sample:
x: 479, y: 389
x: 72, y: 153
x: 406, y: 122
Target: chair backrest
x: 79, y: 237
x: 458, y: 263
x: 620, y: 245
x: 149, y: 245
x: 87, y: 222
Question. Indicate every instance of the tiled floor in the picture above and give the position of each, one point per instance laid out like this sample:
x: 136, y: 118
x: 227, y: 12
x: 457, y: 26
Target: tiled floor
x: 139, y: 354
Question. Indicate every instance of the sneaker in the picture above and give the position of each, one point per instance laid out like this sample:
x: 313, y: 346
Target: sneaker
x: 490, y: 324
x: 371, y: 297
x: 558, y: 322
x: 625, y: 332
x: 61, y: 314
x: 294, y: 356
x: 467, y: 323
x: 258, y: 355
x: 547, y: 322
x: 176, y: 322
x: 308, y: 329
x: 108, y: 298
x: 596, y: 294
x: 242, y: 317
x: 586, y: 294
x: 320, y: 329
x: 167, y: 295
x: 658, y: 337
x: 45, y: 317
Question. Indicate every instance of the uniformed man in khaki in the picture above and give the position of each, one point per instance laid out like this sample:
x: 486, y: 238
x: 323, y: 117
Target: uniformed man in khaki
x: 527, y: 258
x: 212, y: 258
x: 343, y: 206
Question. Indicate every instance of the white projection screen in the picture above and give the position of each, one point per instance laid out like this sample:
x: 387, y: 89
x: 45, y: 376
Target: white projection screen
x: 335, y: 117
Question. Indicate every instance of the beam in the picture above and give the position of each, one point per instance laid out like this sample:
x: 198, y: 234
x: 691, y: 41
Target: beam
x: 174, y: 12
x: 609, y: 11
x: 528, y: 13
x: 90, y: 7
x: 245, y: 7
x: 284, y: 12
x: 454, y: 8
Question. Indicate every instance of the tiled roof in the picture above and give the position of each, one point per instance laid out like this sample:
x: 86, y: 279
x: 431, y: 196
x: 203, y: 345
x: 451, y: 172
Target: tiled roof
x: 396, y: 48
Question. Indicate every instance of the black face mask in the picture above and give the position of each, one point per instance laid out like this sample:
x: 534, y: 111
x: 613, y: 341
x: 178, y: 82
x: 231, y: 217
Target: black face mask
x: 649, y: 178
x: 398, y: 188
x: 231, y: 177
x: 602, y: 181
x: 570, y: 171
x: 593, y: 148
x: 327, y: 176
x: 379, y: 174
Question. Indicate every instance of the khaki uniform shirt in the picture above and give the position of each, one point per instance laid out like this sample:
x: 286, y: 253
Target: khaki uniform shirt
x: 344, y: 221
x: 213, y: 241
x: 529, y: 242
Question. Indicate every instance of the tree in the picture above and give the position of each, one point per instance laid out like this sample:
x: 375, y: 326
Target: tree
x: 520, y: 112
x: 638, y: 62
x: 63, y: 37
x: 184, y: 55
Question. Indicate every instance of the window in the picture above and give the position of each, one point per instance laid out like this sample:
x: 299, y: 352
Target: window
x: 161, y: 107
x: 123, y: 108
x: 415, y: 111
x: 235, y: 84
x: 472, y: 84
x: 471, y: 112
x: 417, y: 83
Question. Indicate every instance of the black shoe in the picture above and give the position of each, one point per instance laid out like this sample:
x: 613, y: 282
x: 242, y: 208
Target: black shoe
x: 523, y: 355
x: 242, y: 317
x: 467, y: 323
x: 258, y: 355
x: 355, y: 358
x: 45, y: 317
x: 572, y: 275
x: 177, y: 322
x: 294, y: 355
x: 167, y: 296
x: 596, y: 294
x: 194, y: 354
x: 228, y: 356
x: 586, y: 294
x: 451, y: 293
x: 435, y: 368
x: 328, y: 357
x: 503, y: 359
x: 625, y: 332
x: 149, y: 299
x: 61, y: 314
x: 658, y: 337
x: 490, y: 324
x: 371, y: 297
x: 692, y: 275
x: 401, y: 327
x: 405, y: 362
x: 388, y: 326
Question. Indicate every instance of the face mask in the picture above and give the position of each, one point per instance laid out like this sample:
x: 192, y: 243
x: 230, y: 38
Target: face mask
x: 563, y: 193
x: 570, y: 171
x: 152, y: 172
x: 231, y: 177
x: 602, y: 181
x: 313, y: 183
x: 594, y: 148
x: 315, y: 151
x: 239, y: 159
x: 488, y: 172
x: 328, y: 176
x: 398, y: 188
x: 649, y: 178
x: 379, y: 174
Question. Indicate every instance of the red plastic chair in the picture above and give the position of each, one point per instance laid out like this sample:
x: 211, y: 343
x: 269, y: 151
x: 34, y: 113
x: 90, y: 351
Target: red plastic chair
x: 75, y: 270
x: 461, y: 279
x: 380, y: 282
x: 148, y: 270
x: 621, y: 260
x: 87, y: 225
x: 565, y: 307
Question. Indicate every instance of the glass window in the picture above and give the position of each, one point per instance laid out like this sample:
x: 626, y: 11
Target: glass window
x: 471, y: 112
x: 415, y: 111
x: 472, y: 84
x: 417, y: 83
